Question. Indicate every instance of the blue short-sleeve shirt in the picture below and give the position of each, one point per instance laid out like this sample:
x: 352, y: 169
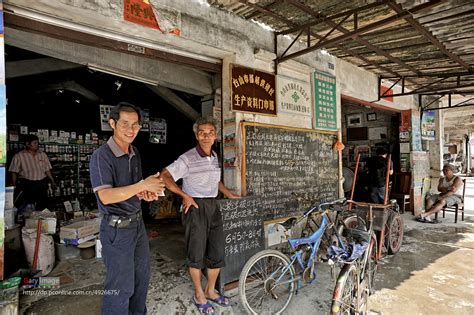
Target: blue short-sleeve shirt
x: 111, y: 167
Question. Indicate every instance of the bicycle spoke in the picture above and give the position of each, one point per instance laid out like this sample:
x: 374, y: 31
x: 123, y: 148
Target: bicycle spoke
x: 261, y: 288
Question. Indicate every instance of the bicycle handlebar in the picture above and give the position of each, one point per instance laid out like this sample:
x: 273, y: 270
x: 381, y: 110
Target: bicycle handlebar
x: 325, y: 204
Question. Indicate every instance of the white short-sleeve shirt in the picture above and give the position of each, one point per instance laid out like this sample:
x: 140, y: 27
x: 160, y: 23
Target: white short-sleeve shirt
x: 201, y: 174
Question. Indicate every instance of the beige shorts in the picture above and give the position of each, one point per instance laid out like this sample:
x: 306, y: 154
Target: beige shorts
x: 450, y: 200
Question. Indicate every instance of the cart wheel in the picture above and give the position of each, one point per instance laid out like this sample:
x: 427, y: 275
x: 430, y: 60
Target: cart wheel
x: 394, y: 233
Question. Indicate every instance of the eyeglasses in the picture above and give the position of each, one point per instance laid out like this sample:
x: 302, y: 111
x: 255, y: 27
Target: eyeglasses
x: 126, y: 125
x: 206, y: 134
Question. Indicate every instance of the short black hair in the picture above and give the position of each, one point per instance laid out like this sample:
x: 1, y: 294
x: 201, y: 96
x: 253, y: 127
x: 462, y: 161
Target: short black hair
x: 381, y: 151
x: 30, y: 138
x: 124, y: 107
x: 449, y: 166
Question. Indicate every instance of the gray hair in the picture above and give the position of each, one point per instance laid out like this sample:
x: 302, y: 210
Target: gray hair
x: 207, y: 120
x: 448, y: 167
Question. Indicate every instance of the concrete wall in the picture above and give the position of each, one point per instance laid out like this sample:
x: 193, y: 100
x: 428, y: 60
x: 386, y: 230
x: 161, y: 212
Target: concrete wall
x: 210, y: 34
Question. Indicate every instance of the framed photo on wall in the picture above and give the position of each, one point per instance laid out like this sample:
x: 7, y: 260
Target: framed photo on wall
x: 354, y: 120
x: 371, y: 116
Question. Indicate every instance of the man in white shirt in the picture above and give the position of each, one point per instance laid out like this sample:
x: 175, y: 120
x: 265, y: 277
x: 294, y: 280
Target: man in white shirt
x: 450, y: 187
x: 199, y: 169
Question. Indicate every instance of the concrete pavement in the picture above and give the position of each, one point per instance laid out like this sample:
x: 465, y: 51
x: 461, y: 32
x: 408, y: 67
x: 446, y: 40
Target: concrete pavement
x: 432, y: 274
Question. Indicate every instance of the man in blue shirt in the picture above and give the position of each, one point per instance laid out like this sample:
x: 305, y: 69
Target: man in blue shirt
x: 116, y: 177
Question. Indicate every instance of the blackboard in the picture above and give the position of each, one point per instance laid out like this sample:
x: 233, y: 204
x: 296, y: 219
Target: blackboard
x: 280, y: 164
x: 283, y: 162
x: 243, y: 234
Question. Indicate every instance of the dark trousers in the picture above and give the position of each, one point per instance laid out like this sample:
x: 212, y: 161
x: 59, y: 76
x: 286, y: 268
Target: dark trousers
x: 126, y: 256
x: 377, y: 194
x: 204, y: 235
x: 32, y: 192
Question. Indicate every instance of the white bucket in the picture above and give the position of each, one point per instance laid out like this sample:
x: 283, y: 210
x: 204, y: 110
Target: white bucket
x: 9, y: 197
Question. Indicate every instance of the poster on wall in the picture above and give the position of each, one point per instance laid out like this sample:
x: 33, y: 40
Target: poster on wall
x: 415, y: 131
x: 253, y: 91
x: 325, y: 114
x: 229, y: 143
x: 294, y: 97
x: 104, y: 117
x: 145, y: 121
x: 158, y: 130
x: 428, y: 125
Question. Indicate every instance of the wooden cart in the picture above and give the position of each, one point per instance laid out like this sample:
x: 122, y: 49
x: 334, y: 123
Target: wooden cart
x: 388, y: 222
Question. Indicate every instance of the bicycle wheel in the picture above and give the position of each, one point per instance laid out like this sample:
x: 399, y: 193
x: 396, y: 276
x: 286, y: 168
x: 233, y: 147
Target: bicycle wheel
x: 394, y: 233
x: 344, y: 299
x: 372, y: 264
x: 267, y: 283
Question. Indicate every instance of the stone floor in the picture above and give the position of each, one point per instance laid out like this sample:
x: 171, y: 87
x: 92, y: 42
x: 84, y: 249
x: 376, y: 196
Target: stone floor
x: 432, y: 274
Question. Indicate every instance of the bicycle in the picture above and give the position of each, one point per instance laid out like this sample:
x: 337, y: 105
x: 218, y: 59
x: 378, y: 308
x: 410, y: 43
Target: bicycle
x: 269, y: 279
x: 356, y: 279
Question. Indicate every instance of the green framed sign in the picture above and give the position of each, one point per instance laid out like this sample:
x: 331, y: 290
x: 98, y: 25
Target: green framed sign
x: 325, y: 114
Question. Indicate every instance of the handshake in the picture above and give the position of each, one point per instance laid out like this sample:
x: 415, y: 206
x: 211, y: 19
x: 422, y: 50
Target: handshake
x: 153, y: 187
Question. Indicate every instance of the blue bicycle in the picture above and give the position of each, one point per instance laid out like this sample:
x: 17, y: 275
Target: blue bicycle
x: 270, y: 278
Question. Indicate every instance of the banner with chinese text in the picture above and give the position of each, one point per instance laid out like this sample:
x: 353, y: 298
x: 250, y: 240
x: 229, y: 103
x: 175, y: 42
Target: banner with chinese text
x: 325, y: 114
x: 253, y: 91
x: 142, y: 12
x: 294, y: 96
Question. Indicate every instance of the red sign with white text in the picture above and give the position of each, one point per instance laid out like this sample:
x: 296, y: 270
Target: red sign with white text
x: 384, y: 92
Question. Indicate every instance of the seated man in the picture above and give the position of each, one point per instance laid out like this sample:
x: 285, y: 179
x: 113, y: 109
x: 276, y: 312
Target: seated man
x: 450, y: 188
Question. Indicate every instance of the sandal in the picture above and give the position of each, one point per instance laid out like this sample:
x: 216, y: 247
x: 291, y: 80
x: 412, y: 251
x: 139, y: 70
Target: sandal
x: 205, y: 308
x: 221, y: 300
x: 424, y: 220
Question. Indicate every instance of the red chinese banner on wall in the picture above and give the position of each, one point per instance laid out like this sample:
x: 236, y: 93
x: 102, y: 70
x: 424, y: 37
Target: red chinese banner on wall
x: 143, y: 13
x: 386, y: 93
x: 253, y: 91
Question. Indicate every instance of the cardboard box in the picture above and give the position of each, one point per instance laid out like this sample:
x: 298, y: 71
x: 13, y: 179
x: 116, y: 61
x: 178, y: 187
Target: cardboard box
x: 48, y: 225
x: 80, y: 229
x: 77, y: 241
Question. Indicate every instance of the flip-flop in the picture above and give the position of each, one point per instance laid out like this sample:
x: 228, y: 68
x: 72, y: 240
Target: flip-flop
x: 221, y: 300
x: 424, y: 220
x: 205, y: 308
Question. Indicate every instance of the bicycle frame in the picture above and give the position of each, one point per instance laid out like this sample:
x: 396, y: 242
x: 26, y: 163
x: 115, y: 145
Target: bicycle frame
x: 314, y: 240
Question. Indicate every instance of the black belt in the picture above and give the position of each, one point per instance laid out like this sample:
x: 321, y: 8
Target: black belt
x: 122, y: 221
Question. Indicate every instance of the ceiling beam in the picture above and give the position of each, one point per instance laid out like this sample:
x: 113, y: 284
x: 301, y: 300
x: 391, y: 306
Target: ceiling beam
x: 364, y: 42
x: 23, y: 68
x: 369, y: 27
x: 290, y: 23
x: 58, y: 32
x: 397, y: 8
x: 176, y: 101
x: 321, y: 18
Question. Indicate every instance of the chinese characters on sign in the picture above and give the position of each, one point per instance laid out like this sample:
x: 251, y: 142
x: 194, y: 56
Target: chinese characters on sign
x: 324, y: 101
x: 253, y: 91
x: 428, y: 126
x: 143, y: 13
x: 386, y: 92
x: 294, y: 97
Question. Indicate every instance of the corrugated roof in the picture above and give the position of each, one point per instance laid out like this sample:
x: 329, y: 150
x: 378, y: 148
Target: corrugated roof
x: 428, y: 45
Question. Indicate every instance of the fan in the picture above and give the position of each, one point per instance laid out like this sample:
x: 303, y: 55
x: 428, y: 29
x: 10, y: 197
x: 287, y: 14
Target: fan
x: 348, y: 176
